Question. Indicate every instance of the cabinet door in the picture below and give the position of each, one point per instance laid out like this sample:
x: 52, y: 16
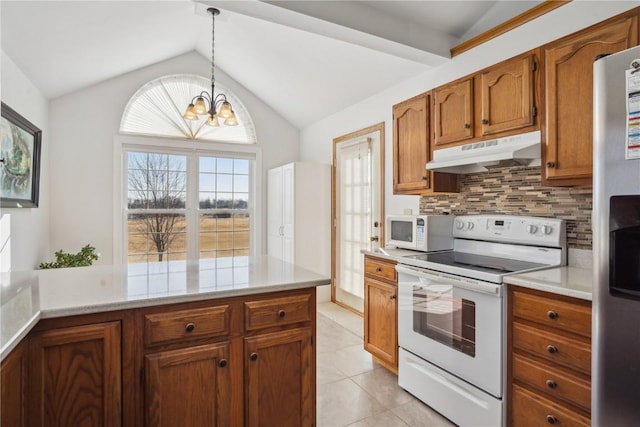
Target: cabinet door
x: 568, y: 66
x: 380, y: 321
x: 75, y: 376
x: 274, y: 213
x: 411, y: 145
x: 453, y: 112
x: 188, y: 387
x: 12, y: 401
x: 507, y: 96
x: 280, y: 380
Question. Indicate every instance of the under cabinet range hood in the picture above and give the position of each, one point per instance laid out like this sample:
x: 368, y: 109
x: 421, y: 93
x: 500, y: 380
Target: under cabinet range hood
x: 515, y: 150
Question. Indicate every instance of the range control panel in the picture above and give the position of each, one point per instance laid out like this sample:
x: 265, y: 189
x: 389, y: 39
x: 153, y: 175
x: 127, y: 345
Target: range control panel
x: 527, y: 230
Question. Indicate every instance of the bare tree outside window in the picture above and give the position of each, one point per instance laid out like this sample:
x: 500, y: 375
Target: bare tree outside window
x: 156, y: 190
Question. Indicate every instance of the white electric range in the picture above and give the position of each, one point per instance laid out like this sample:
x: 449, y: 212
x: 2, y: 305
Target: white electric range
x: 451, y: 312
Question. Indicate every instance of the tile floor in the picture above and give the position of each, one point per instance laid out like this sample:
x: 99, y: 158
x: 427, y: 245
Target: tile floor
x: 355, y: 391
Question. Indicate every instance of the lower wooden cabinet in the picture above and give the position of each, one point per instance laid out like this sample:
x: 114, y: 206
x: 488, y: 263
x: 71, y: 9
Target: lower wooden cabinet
x: 549, y: 359
x: 233, y: 362
x: 75, y: 376
x: 13, y: 369
x: 189, y: 387
x: 381, y: 311
x: 279, y: 384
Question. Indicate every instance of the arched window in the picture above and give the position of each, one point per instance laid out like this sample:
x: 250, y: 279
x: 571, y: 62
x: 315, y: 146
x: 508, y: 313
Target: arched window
x: 156, y: 109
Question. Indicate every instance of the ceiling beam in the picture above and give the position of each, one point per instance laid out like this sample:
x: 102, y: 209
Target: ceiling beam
x: 350, y: 22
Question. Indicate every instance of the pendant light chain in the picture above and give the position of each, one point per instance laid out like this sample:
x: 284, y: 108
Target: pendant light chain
x: 213, y: 40
x: 208, y: 103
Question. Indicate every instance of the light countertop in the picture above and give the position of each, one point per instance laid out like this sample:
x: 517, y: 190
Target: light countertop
x: 29, y: 296
x: 391, y: 254
x: 569, y: 281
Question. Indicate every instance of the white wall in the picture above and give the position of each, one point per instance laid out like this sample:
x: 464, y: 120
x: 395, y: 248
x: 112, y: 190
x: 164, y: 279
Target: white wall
x: 24, y: 233
x: 83, y: 125
x: 316, y: 139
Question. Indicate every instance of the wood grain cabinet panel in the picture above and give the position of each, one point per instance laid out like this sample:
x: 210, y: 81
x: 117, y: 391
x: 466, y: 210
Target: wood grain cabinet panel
x: 12, y: 378
x: 277, y: 312
x: 189, y: 387
x: 454, y: 120
x: 548, y: 360
x: 507, y: 95
x: 181, y: 325
x: 381, y: 311
x: 553, y: 312
x: 533, y: 410
x: 76, y: 376
x: 568, y: 94
x: 279, y: 385
x: 412, y: 150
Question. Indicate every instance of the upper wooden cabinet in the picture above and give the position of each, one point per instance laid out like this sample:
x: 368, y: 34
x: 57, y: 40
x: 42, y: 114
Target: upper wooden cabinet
x: 568, y: 124
x: 508, y: 95
x: 495, y: 102
x: 453, y: 105
x: 412, y: 150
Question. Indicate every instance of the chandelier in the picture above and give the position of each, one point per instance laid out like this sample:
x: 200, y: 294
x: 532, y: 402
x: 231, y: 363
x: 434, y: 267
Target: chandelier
x: 215, y: 106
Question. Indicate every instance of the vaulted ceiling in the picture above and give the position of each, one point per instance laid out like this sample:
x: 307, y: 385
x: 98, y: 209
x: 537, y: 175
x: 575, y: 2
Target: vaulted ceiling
x: 306, y: 59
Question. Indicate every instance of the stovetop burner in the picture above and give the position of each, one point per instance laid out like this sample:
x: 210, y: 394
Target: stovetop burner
x: 477, y: 262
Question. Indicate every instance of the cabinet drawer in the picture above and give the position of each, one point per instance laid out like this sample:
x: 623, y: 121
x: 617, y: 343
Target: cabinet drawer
x: 530, y: 409
x: 186, y: 324
x: 571, y: 317
x: 569, y: 352
x: 277, y: 311
x: 379, y: 269
x: 554, y: 382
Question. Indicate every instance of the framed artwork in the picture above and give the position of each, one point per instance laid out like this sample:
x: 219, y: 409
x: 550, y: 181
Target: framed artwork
x: 19, y: 160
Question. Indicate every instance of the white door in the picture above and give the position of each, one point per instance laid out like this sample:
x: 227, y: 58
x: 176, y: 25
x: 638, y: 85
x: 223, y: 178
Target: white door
x: 358, y: 213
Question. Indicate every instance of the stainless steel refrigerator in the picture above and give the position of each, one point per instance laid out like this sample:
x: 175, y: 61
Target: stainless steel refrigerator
x: 616, y: 241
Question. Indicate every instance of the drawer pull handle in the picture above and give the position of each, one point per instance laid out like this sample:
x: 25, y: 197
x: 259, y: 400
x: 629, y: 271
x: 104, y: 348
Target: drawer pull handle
x: 222, y: 363
x: 378, y: 269
x: 551, y: 384
x: 253, y: 356
x: 190, y: 327
x: 281, y: 313
x: 551, y: 419
x: 552, y: 349
x: 552, y: 314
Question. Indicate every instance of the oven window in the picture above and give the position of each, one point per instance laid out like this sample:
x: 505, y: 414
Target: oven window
x: 402, y: 231
x: 445, y: 318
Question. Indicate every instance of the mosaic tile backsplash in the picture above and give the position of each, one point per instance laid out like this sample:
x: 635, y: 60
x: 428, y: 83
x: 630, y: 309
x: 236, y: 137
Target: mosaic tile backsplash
x: 518, y: 191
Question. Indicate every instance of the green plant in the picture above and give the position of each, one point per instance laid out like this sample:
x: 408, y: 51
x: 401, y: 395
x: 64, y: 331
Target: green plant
x: 85, y: 257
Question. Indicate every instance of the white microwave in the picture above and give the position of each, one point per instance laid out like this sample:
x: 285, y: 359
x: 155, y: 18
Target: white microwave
x: 420, y: 232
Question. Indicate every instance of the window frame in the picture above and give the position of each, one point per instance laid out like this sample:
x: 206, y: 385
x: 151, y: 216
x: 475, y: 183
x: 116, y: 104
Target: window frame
x: 192, y: 149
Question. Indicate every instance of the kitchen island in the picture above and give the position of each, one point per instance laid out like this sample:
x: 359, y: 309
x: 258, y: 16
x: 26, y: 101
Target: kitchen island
x: 225, y: 341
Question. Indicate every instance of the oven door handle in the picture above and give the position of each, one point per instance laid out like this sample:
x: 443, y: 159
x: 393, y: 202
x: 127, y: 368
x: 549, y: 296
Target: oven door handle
x: 475, y: 286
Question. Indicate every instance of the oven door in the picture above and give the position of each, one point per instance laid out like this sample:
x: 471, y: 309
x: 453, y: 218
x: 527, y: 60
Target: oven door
x: 454, y: 323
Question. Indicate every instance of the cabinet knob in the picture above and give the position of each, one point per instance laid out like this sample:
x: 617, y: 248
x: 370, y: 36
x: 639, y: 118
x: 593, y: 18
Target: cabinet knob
x: 424, y: 178
x: 392, y: 297
x: 190, y: 327
x: 378, y: 269
x: 551, y: 384
x: 467, y: 126
x: 551, y: 419
x: 552, y: 314
x: 551, y: 165
x: 281, y: 313
x: 222, y: 363
x: 253, y: 356
x: 485, y: 121
x: 552, y: 349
